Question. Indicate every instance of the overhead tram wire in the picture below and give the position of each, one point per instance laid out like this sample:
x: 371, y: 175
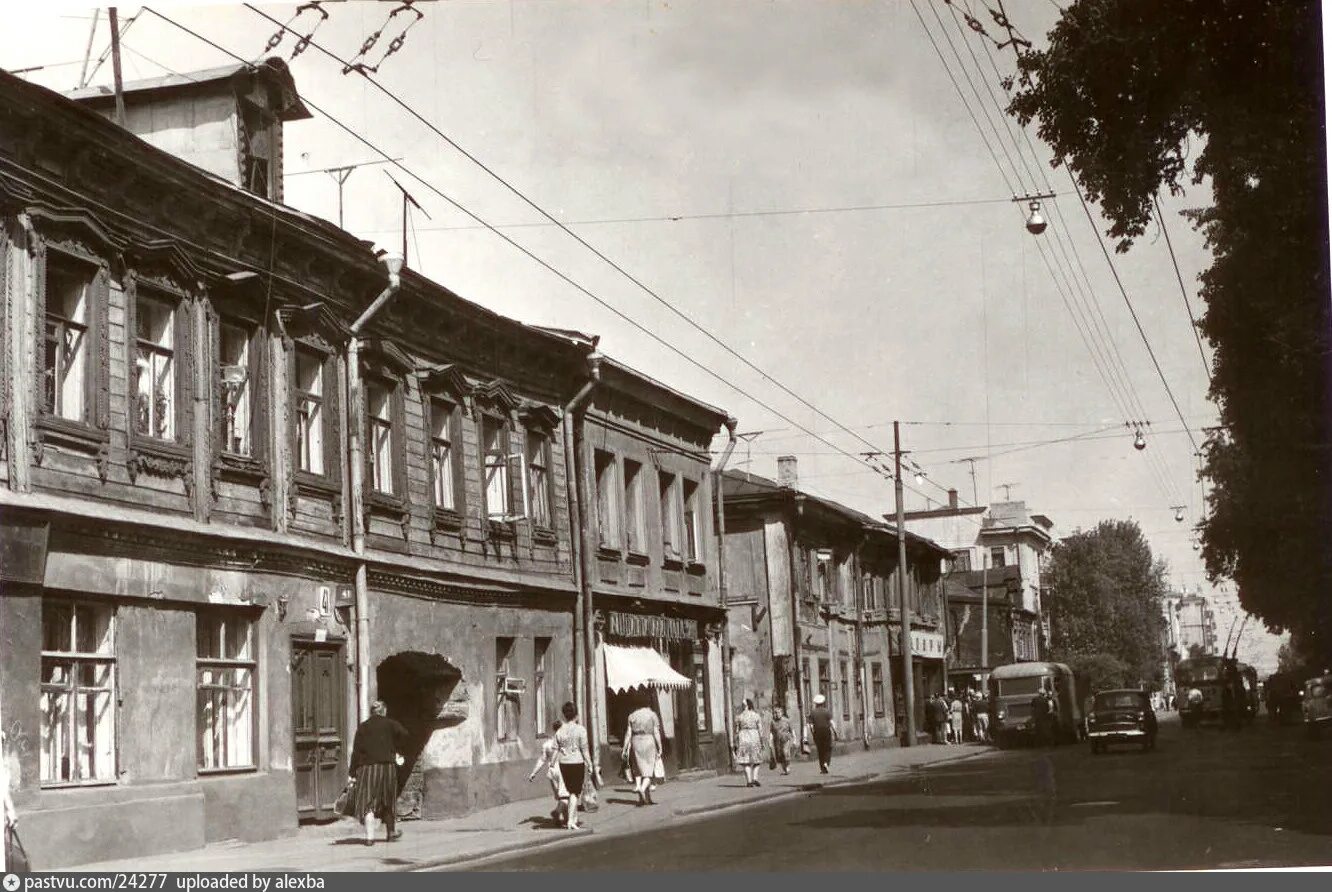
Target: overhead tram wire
x: 1183, y: 292
x: 1160, y: 470
x: 540, y: 261
x: 1115, y: 395
x: 548, y: 216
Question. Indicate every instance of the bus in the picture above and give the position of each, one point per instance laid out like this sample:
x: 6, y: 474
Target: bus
x: 1012, y: 688
x: 1203, y: 684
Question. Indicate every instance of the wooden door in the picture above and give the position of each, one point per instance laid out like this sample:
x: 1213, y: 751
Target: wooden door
x: 317, y: 706
x: 686, y: 710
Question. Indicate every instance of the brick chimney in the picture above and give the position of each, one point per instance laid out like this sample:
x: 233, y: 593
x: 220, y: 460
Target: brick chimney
x: 952, y: 499
x: 787, y: 475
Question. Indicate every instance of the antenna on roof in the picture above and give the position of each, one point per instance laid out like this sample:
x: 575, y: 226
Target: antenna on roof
x: 1007, y: 488
x: 115, y: 66
x: 406, y: 197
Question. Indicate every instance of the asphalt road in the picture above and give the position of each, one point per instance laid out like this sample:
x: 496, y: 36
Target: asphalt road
x: 1204, y: 798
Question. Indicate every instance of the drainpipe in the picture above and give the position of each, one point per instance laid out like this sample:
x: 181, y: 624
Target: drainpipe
x: 356, y: 476
x: 720, y: 492
x: 583, y: 496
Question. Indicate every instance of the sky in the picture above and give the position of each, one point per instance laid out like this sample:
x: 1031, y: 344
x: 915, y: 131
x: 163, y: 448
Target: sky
x: 799, y: 178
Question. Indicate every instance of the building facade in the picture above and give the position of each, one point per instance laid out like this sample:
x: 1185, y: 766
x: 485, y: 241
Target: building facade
x: 1003, y: 539
x: 813, y: 595
x: 1196, y: 624
x: 191, y: 623
x: 654, y: 566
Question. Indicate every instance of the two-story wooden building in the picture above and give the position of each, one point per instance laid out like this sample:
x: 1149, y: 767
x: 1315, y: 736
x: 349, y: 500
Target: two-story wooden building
x: 180, y: 600
x: 813, y: 598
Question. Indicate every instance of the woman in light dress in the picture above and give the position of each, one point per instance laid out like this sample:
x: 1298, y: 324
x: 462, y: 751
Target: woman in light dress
x: 642, y: 750
x: 749, y: 742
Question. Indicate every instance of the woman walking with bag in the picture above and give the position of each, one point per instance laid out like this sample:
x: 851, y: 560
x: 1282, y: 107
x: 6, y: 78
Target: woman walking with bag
x: 749, y: 742
x: 575, y: 759
x: 642, y: 750
x: 374, y: 772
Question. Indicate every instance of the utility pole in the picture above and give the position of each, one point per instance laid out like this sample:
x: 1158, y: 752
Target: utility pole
x: 908, y: 692
x: 115, y: 67
x: 406, y: 198
x: 87, y: 53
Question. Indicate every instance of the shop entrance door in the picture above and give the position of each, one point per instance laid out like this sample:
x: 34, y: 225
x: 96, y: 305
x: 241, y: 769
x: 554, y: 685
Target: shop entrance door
x: 686, y: 710
x: 317, y: 710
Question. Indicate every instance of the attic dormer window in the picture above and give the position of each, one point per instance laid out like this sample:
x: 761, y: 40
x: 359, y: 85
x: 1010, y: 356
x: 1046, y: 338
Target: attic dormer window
x: 257, y: 149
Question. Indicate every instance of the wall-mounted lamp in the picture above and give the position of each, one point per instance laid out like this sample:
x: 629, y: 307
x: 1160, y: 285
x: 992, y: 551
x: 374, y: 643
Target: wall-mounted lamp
x: 282, y: 602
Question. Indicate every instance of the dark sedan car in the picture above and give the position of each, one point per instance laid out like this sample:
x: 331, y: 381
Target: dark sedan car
x: 1121, y: 717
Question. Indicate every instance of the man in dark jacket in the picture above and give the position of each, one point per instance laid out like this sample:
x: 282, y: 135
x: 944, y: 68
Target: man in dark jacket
x: 1040, y: 717
x: 823, y: 730
x: 939, y: 715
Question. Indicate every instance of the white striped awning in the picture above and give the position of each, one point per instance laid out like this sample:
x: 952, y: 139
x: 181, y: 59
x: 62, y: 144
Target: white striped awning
x: 639, y: 667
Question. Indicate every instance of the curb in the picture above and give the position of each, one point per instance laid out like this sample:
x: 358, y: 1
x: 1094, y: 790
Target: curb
x: 497, y: 851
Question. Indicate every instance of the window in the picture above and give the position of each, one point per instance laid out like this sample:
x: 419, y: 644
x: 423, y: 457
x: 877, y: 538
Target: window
x: 846, y: 690
x: 155, y: 368
x: 495, y: 462
x: 693, y: 545
x: 876, y: 684
x: 78, y: 693
x: 506, y: 705
x: 538, y: 479
x: 443, y: 472
x: 806, y: 686
x: 310, y: 411
x: 823, y: 573
x: 65, y: 392
x: 635, y: 533
x: 997, y: 558
x: 608, y: 505
x: 825, y: 682
x: 379, y: 422
x: 962, y: 560
x: 540, y: 690
x: 225, y: 669
x: 701, y: 693
x: 237, y: 388
x: 671, y: 524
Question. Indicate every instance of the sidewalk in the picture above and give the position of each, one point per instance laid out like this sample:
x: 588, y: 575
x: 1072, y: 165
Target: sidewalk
x: 517, y: 826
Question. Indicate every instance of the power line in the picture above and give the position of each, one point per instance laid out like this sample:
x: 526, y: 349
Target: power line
x: 563, y: 227
x: 1183, y: 292
x: 561, y: 275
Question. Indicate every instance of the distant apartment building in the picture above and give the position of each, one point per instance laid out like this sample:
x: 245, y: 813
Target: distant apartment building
x: 1196, y: 622
x: 1000, y: 549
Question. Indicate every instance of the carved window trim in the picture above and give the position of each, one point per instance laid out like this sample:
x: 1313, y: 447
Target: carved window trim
x: 445, y: 517
x: 483, y: 414
x: 91, y: 436
x: 148, y: 454
x: 326, y: 487
x: 256, y: 468
x: 540, y: 423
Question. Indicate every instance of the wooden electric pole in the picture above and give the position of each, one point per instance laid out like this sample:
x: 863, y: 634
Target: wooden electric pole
x: 908, y: 691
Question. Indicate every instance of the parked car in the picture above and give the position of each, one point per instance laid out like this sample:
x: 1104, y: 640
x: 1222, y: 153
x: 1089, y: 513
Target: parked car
x: 1124, y: 716
x: 1316, y: 704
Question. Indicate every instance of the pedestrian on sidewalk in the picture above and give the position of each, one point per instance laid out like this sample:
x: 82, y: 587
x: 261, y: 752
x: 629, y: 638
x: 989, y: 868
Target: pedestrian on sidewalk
x: 938, y: 714
x: 982, y: 708
x: 548, y: 760
x: 749, y: 742
x: 642, y: 750
x: 823, y: 731
x: 575, y: 759
x: 955, y: 707
x: 374, y: 771
x: 783, y: 739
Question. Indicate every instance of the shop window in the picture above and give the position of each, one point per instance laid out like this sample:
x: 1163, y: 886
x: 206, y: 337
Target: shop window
x: 608, y: 505
x: 506, y: 704
x: 701, y: 704
x: 309, y: 412
x: 225, y: 677
x: 692, y: 543
x: 67, y: 373
x: 846, y: 690
x: 540, y: 687
x: 154, y: 391
x: 876, y: 684
x: 635, y: 534
x: 997, y: 556
x: 495, y: 467
x: 236, y: 382
x: 538, y: 479
x: 443, y: 457
x: 672, y: 526
x: 78, y: 693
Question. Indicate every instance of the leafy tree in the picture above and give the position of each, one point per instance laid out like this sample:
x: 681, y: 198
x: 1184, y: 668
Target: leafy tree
x: 1196, y: 651
x: 1101, y: 671
x: 1106, y: 601
x: 1125, y: 92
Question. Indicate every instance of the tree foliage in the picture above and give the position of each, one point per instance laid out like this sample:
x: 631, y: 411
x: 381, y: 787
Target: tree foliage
x: 1124, y: 92
x: 1106, y: 602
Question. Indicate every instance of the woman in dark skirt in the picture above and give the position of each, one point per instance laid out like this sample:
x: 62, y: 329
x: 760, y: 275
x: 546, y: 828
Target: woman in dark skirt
x: 374, y: 772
